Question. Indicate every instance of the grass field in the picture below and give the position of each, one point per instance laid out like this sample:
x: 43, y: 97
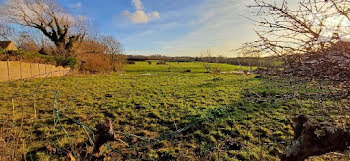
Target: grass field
x: 195, y: 67
x: 229, y: 117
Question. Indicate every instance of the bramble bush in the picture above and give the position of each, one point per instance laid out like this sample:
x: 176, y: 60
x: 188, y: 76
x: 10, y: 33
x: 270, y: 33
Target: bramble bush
x: 95, y: 63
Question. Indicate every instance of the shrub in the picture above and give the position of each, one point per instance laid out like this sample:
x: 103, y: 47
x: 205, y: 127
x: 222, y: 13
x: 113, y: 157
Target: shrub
x: 95, y: 57
x: 161, y: 63
x: 95, y: 63
x: 131, y: 62
x: 118, y: 62
x: 28, y: 56
x: 66, y: 62
x: 2, y: 50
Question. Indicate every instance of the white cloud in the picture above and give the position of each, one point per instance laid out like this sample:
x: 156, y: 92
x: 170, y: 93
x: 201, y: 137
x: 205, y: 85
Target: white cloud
x: 76, y: 5
x: 138, y: 4
x: 140, y: 16
x: 154, y: 15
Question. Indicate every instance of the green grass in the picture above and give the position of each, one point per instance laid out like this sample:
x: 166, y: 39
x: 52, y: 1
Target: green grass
x: 195, y: 67
x: 224, y: 108
x: 139, y: 103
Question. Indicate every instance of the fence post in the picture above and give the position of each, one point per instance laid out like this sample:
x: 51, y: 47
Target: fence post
x: 39, y: 69
x: 31, y: 71
x: 20, y: 67
x: 8, y: 70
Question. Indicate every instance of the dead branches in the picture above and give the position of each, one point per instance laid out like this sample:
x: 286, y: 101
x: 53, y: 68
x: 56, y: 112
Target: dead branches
x: 332, y: 63
x: 308, y: 25
x: 104, y: 134
x: 5, y: 31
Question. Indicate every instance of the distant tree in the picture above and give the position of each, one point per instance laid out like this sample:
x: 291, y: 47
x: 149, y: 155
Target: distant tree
x: 206, y: 58
x: 25, y: 42
x: 61, y: 27
x: 112, y: 45
x: 114, y: 49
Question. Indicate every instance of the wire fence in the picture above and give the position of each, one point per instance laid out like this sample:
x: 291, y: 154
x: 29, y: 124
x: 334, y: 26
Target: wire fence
x: 61, y: 115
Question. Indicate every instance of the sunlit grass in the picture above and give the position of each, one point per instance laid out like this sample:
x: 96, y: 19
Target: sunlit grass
x: 196, y: 67
x: 226, y: 107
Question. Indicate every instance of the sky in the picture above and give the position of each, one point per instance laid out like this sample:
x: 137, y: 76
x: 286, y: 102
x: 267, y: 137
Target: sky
x: 169, y: 27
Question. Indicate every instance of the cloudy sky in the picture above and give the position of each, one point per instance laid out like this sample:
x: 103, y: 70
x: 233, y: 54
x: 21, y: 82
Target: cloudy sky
x: 169, y: 27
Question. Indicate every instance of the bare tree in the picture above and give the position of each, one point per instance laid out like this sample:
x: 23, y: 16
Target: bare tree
x: 25, y: 42
x: 63, y: 29
x: 114, y: 49
x: 206, y: 59
x: 5, y: 32
x: 112, y: 45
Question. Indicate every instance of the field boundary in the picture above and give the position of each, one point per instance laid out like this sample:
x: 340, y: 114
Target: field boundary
x: 18, y: 70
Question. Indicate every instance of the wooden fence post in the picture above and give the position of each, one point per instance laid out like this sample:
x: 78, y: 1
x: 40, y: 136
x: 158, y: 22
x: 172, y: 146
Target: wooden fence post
x: 38, y: 69
x: 31, y: 71
x: 20, y: 68
x: 51, y: 70
x: 8, y: 69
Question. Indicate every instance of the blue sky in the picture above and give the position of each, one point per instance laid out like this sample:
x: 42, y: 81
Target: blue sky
x: 169, y: 27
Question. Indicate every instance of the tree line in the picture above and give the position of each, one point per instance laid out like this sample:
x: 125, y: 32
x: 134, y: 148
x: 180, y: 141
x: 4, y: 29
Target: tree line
x: 269, y: 61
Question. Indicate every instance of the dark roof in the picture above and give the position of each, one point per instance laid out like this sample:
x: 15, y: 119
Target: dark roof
x: 5, y: 44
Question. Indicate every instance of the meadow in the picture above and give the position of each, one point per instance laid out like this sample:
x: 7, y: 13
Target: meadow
x: 195, y: 67
x: 160, y: 115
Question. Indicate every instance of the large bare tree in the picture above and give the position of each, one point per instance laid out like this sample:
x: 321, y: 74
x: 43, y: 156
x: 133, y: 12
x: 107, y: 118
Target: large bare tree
x: 61, y: 27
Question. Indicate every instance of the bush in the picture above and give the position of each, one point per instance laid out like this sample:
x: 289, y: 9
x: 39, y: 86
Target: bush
x: 118, y: 62
x: 161, y: 63
x: 27, y: 56
x: 66, y: 62
x: 95, y: 63
x: 131, y: 62
x: 2, y: 50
